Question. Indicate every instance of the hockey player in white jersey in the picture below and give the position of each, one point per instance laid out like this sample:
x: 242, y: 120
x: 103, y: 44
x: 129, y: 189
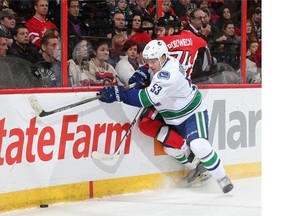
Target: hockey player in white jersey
x: 180, y: 104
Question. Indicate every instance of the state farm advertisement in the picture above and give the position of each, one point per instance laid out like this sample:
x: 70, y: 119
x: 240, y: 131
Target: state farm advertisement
x: 54, y: 149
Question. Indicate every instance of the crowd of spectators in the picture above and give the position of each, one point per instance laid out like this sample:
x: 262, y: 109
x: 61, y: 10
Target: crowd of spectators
x: 106, y: 38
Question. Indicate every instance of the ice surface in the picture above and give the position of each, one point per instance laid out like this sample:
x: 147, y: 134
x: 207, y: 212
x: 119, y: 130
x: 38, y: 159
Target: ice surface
x: 208, y: 200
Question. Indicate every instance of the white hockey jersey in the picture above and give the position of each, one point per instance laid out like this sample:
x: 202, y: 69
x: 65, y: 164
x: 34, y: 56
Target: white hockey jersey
x: 174, y: 96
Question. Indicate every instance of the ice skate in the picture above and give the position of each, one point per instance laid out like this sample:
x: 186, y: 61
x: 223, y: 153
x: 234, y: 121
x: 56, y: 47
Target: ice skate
x: 225, y: 184
x: 197, y: 175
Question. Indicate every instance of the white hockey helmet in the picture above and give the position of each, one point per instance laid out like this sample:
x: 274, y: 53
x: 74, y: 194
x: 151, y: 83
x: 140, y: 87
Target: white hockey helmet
x: 155, y: 49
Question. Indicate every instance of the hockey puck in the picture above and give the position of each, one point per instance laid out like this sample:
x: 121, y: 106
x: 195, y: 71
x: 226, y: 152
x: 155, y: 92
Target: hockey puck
x: 44, y: 206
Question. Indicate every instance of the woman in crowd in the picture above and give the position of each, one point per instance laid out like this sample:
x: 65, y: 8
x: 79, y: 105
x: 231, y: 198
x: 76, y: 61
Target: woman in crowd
x: 78, y: 65
x: 102, y: 72
x: 126, y: 67
x: 135, y: 31
x: 227, y: 48
x: 252, y: 65
x: 250, y: 32
x: 226, y: 15
x: 116, y: 51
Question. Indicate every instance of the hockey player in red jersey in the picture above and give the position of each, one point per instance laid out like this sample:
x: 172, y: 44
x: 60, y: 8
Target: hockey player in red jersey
x: 191, y: 50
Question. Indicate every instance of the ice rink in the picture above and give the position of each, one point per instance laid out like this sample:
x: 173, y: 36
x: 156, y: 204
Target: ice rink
x: 207, y: 200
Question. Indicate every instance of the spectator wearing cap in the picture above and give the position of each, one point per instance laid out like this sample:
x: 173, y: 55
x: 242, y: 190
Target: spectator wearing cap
x: 38, y: 24
x: 7, y: 23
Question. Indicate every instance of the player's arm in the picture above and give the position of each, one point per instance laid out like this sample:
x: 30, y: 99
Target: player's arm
x: 119, y: 93
x: 152, y: 95
x: 135, y: 97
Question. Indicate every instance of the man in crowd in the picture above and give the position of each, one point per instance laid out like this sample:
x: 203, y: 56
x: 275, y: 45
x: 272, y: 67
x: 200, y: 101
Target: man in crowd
x: 74, y: 25
x: 48, y: 67
x: 118, y: 23
x: 38, y: 24
x: 21, y: 46
x: 14, y: 72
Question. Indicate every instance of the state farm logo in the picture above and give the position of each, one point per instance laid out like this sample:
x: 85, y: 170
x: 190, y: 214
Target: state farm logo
x: 33, y: 143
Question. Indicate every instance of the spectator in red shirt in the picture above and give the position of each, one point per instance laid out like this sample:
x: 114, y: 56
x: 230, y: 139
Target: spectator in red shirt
x: 38, y: 24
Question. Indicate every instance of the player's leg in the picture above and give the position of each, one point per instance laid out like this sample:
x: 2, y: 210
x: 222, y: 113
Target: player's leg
x: 201, y: 147
x: 151, y: 124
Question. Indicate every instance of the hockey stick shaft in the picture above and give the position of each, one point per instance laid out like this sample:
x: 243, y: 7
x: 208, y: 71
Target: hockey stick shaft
x: 103, y: 156
x: 42, y: 113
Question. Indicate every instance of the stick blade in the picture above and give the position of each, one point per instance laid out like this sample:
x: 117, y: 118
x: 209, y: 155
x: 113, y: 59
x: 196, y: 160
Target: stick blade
x: 102, y: 156
x: 35, y: 104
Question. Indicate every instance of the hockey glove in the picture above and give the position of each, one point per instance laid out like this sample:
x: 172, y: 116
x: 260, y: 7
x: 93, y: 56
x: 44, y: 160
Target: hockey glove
x: 111, y: 94
x: 141, y: 77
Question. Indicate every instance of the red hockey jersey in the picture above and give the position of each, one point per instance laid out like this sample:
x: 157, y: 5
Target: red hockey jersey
x: 184, y: 47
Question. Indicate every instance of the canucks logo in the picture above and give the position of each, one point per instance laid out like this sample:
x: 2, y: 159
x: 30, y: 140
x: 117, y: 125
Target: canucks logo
x: 163, y: 75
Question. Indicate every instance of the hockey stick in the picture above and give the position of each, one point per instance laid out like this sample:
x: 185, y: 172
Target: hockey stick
x: 42, y: 113
x: 106, y: 156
